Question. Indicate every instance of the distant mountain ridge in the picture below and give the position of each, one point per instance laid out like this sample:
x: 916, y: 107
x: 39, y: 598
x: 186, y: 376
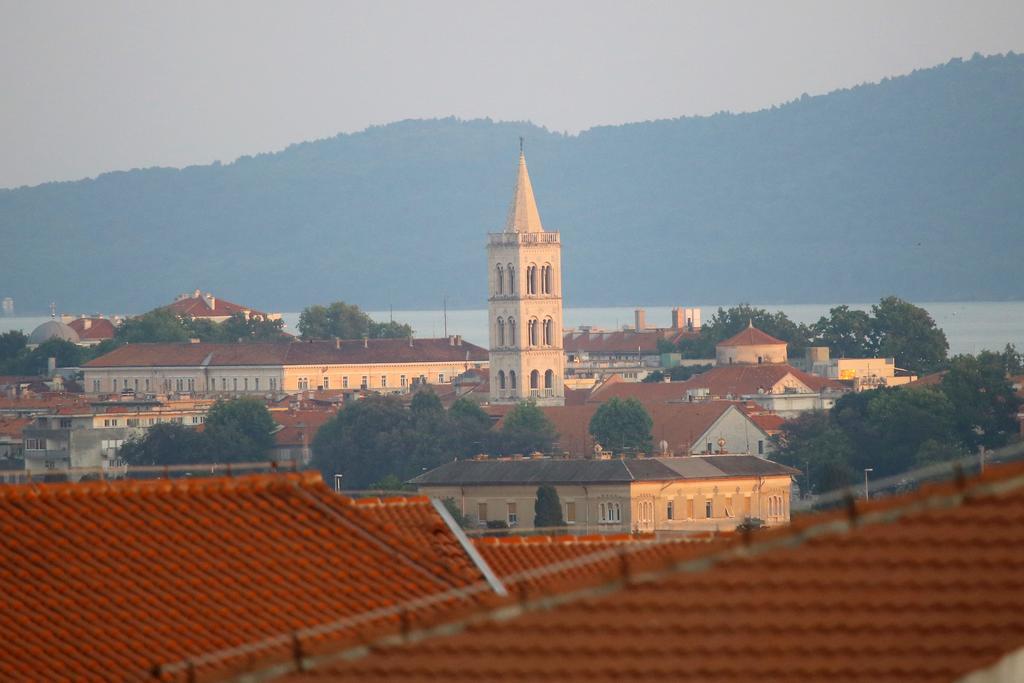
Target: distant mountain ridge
x: 911, y: 186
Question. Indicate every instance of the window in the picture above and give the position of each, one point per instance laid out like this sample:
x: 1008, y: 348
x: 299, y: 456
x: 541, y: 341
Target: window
x: 35, y: 444
x: 501, y: 332
x: 531, y: 279
x: 383, y: 380
x: 711, y: 447
x: 223, y: 383
x: 403, y: 381
x: 65, y: 423
x: 609, y: 513
x: 481, y: 508
x: 511, y: 515
x: 534, y: 379
x: 499, y: 280
x: 501, y: 379
x: 245, y: 381
x: 512, y: 339
x: 549, y: 379
x: 511, y: 279
x: 135, y: 383
x: 132, y: 422
x: 147, y: 384
x: 51, y: 464
x: 256, y: 381
x: 96, y: 386
x: 440, y: 378
x: 344, y: 382
x: 234, y: 383
x: 114, y: 384
x: 326, y: 382
x: 511, y: 379
x: 708, y: 509
x: 179, y: 384
x: 760, y: 447
x: 365, y: 383
x: 549, y: 327
x: 545, y: 280
x: 273, y: 384
x: 303, y: 383
x: 669, y: 512
x: 531, y: 329
x: 570, y: 513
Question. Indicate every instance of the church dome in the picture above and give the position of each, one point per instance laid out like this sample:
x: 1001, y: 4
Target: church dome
x: 52, y: 329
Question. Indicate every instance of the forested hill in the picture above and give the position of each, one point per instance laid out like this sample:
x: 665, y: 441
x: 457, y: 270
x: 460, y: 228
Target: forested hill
x: 912, y: 186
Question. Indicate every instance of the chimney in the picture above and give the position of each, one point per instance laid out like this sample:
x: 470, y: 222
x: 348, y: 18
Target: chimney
x: 640, y: 320
x: 86, y: 323
x: 337, y: 343
x: 451, y: 340
x: 677, y: 318
x: 410, y: 341
x: 458, y: 340
x: 366, y: 342
x: 211, y: 301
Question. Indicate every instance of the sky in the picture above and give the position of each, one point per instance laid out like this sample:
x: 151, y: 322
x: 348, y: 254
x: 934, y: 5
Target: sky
x: 88, y: 88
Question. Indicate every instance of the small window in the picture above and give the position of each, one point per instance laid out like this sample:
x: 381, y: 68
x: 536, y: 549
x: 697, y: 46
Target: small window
x: 403, y: 381
x: 708, y: 509
x: 711, y: 447
x: 481, y: 512
x: 512, y: 515
x: 273, y: 384
x: 760, y: 447
x: 65, y: 423
x: 245, y: 382
x: 383, y: 380
x: 669, y: 514
x: 570, y: 513
x: 440, y: 378
x: 303, y: 383
x: 344, y: 382
x: 327, y: 382
x: 365, y: 383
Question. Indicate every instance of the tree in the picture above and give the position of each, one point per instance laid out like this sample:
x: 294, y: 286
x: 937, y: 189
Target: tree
x: 547, y: 509
x: 239, y: 328
x: 727, y: 322
x: 165, y: 443
x: 12, y: 344
x: 907, y: 333
x: 812, y: 443
x: 390, y: 330
x: 526, y: 429
x: 847, y: 333
x: 239, y: 430
x: 984, y: 403
x: 346, y: 321
x: 390, y: 483
x: 453, y: 509
x: 160, y: 325
x: 472, y: 427
x: 620, y: 425
x: 905, y: 419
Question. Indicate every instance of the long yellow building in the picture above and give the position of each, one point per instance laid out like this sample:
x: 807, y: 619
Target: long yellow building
x: 386, y: 365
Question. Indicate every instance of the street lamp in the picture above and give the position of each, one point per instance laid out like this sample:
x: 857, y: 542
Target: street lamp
x: 866, y: 470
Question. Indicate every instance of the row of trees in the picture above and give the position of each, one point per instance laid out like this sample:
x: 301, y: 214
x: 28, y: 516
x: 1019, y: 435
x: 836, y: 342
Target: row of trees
x: 894, y: 430
x: 346, y: 321
x: 893, y: 329
x: 238, y: 430
x: 377, y: 442
x: 17, y: 359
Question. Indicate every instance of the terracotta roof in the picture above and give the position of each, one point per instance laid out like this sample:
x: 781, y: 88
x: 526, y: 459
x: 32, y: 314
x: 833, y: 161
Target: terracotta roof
x: 99, y: 328
x: 103, y: 580
x: 290, y: 420
x: 12, y: 427
x: 750, y: 336
x: 931, y: 380
x: 740, y: 380
x: 924, y: 588
x: 502, y: 471
x: 619, y: 342
x: 198, y: 307
x: 183, y: 354
x: 680, y: 424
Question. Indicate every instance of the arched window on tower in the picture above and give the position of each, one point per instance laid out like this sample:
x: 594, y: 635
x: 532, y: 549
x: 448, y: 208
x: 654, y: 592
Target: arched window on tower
x: 511, y: 379
x: 513, y: 340
x: 549, y: 381
x: 511, y: 279
x: 549, y: 328
x: 499, y: 279
x: 545, y: 279
x: 532, y: 331
x: 501, y: 380
x: 501, y: 331
x: 531, y: 279
x: 534, y: 380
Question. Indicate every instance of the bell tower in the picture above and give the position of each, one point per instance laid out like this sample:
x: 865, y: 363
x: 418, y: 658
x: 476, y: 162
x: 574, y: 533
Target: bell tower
x: 525, y: 304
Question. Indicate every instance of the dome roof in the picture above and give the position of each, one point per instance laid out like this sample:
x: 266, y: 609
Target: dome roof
x: 52, y: 329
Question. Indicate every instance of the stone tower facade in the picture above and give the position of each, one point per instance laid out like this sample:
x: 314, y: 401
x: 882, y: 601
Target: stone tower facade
x: 524, y: 266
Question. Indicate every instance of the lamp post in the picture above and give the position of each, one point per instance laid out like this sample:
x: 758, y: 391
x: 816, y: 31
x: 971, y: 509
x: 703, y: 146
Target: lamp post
x: 866, y: 470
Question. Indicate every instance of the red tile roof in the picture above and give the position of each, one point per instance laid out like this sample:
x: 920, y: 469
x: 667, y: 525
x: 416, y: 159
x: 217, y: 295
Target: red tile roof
x: 99, y: 328
x: 925, y: 587
x: 184, y: 354
x: 197, y: 307
x: 12, y: 427
x: 750, y: 336
x: 298, y: 423
x: 104, y: 580
x: 740, y: 380
x: 680, y: 424
x: 620, y: 342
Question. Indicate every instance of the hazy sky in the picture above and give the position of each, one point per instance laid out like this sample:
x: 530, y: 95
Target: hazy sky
x: 89, y: 87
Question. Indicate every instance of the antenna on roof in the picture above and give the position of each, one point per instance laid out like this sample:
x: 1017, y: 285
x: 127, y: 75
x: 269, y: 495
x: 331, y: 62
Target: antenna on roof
x: 53, y: 309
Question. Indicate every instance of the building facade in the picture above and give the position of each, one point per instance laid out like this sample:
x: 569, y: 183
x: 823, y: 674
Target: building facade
x: 688, y: 494
x: 525, y: 304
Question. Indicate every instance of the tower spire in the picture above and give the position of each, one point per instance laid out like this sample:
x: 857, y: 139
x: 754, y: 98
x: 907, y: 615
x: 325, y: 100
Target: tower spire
x: 523, y: 215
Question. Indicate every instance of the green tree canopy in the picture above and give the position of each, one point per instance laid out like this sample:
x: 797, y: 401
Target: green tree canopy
x: 620, y: 425
x: 908, y: 333
x: 526, y: 429
x: 159, y: 325
x: 727, y: 322
x: 983, y: 401
x: 472, y: 426
x: 12, y: 344
x: 848, y: 333
x: 238, y: 430
x: 166, y: 443
x: 346, y: 321
x: 547, y: 508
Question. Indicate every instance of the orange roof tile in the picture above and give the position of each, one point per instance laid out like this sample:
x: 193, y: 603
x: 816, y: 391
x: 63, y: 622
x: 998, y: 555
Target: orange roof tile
x: 104, y: 580
x: 298, y: 423
x: 923, y: 587
x: 99, y: 328
x: 740, y: 380
x: 12, y: 427
x: 750, y: 336
x: 197, y: 307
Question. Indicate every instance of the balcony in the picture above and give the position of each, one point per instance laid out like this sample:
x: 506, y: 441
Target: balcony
x: 521, y: 238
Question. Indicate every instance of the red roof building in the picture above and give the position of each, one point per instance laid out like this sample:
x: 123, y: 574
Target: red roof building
x: 92, y: 331
x: 209, y: 307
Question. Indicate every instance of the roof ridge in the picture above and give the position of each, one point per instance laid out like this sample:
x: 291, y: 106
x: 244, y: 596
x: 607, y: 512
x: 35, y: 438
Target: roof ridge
x: 255, y: 481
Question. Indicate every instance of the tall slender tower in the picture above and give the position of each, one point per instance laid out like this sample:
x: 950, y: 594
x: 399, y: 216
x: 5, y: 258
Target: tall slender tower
x: 525, y: 304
